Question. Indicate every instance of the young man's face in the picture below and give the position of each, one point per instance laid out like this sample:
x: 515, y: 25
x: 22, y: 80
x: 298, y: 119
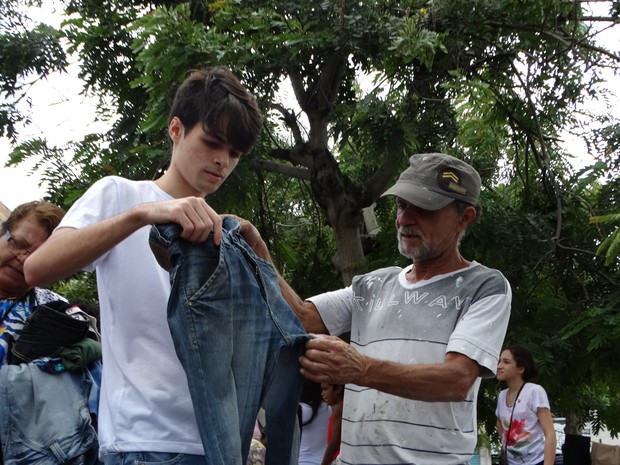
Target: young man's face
x: 201, y: 162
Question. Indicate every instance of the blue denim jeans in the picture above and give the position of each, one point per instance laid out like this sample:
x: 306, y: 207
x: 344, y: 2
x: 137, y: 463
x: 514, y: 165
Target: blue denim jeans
x: 238, y: 341
x: 44, y: 418
x: 152, y: 458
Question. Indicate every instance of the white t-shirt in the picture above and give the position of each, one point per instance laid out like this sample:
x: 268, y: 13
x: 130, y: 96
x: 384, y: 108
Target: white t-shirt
x: 145, y: 403
x: 526, y: 444
x: 389, y: 318
x: 314, y: 434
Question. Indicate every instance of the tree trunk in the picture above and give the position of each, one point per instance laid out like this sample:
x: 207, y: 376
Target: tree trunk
x: 342, y: 202
x: 573, y: 424
x: 350, y: 254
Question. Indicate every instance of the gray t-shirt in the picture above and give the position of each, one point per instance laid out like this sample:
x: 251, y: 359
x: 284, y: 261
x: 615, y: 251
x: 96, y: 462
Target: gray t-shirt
x: 466, y: 311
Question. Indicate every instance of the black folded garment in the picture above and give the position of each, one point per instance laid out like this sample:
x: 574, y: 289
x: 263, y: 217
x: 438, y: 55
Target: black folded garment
x: 46, y: 332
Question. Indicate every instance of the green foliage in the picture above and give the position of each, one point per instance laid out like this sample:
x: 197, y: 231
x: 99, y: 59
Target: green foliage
x: 81, y: 287
x: 611, y: 245
x: 34, y: 51
x: 370, y: 83
x: 416, y: 43
x: 27, y: 51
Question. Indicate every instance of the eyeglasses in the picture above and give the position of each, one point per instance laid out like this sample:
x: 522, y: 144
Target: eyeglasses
x: 16, y: 247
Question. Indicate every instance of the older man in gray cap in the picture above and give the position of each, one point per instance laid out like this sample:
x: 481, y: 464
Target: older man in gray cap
x: 421, y: 337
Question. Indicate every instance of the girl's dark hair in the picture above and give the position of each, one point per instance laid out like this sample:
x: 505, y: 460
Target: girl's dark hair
x: 523, y: 359
x: 311, y: 395
x: 216, y: 98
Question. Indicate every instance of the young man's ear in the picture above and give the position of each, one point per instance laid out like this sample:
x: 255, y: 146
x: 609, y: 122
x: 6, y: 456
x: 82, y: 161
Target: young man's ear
x: 175, y: 129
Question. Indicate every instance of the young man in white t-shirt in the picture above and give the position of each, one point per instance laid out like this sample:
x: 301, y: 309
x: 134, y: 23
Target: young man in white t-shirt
x: 145, y: 411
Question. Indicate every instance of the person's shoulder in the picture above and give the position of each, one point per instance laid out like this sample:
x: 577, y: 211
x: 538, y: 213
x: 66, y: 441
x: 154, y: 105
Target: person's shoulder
x: 534, y: 392
x: 478, y: 274
x: 381, y: 272
x: 533, y: 387
x: 106, y: 186
x: 537, y: 395
x: 122, y: 183
x: 127, y: 191
x: 479, y: 268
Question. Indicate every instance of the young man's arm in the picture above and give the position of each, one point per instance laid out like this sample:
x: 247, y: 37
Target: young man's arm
x: 69, y: 250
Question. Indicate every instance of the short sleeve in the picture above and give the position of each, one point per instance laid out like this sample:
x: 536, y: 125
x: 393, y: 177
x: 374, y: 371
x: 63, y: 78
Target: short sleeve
x: 539, y: 398
x: 335, y: 308
x: 480, y: 333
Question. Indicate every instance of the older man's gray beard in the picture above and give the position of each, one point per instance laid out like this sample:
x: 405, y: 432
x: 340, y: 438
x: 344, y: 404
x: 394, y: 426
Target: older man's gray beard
x: 423, y: 251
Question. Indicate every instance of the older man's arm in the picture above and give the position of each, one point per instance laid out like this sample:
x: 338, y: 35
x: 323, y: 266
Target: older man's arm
x: 305, y: 311
x: 329, y: 359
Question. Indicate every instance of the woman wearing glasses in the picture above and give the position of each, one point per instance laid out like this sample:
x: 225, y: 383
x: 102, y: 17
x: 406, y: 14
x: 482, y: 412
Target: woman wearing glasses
x: 26, y: 228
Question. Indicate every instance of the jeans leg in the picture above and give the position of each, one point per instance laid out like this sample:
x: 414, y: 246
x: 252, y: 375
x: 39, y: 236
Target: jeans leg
x: 211, y: 382
x: 281, y: 403
x: 251, y: 342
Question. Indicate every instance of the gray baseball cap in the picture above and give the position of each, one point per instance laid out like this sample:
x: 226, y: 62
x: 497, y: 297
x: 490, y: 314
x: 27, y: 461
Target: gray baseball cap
x: 433, y: 180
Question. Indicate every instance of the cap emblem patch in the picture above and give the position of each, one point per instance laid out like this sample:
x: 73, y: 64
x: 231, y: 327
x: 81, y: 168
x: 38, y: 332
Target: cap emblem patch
x: 449, y: 180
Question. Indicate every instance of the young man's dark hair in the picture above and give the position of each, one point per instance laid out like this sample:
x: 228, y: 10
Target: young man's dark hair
x: 226, y: 109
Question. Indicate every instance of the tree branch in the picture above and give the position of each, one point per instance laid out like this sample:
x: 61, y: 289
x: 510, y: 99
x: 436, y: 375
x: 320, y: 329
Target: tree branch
x: 556, y: 37
x: 543, y: 159
x: 599, y: 19
x: 290, y: 121
x: 298, y: 87
x: 330, y: 81
x: 286, y: 170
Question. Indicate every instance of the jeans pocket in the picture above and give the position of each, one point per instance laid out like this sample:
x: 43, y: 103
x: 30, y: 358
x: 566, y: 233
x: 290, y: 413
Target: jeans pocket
x: 162, y: 458
x: 152, y: 458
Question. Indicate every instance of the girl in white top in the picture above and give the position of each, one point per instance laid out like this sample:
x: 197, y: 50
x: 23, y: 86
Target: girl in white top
x: 530, y: 437
x: 314, y: 423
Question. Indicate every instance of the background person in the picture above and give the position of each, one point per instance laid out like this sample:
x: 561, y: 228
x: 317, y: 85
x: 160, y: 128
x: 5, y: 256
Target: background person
x: 314, y: 419
x: 256, y: 456
x: 24, y: 397
x: 146, y: 414
x: 23, y: 232
x: 532, y: 438
x: 333, y: 395
x: 421, y: 337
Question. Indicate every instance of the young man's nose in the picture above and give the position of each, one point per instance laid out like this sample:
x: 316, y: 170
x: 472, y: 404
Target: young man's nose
x: 222, y: 157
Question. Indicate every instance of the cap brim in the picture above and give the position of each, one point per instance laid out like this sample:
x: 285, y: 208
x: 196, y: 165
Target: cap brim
x: 418, y: 196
